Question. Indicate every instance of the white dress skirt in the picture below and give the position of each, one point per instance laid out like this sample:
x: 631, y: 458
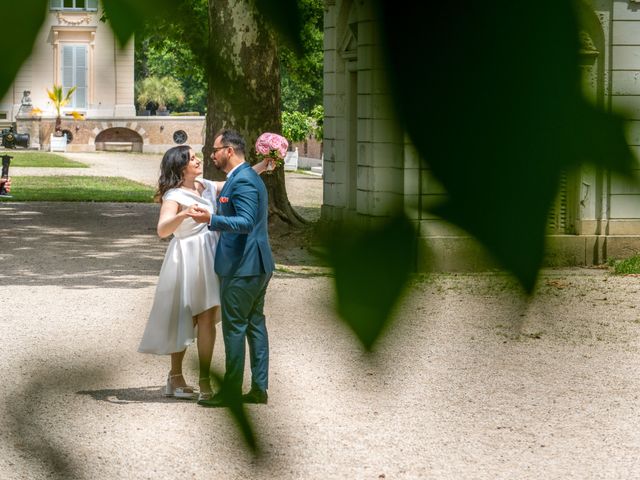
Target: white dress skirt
x: 188, y: 284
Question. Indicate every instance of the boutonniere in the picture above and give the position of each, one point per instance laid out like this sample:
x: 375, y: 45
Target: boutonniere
x: 224, y: 199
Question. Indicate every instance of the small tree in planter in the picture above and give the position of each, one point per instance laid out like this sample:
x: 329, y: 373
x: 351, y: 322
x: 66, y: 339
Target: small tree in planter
x: 59, y: 100
x: 161, y: 91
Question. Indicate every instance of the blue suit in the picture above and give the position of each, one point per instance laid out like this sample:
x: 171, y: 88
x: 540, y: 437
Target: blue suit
x: 244, y: 264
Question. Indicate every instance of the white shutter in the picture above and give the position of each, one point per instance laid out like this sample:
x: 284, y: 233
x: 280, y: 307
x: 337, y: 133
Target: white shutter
x: 74, y: 74
x: 92, y: 4
x: 55, y: 4
x: 67, y: 67
x: 81, y: 77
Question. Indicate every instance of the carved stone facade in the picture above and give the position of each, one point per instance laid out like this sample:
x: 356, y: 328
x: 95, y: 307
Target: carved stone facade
x: 370, y: 168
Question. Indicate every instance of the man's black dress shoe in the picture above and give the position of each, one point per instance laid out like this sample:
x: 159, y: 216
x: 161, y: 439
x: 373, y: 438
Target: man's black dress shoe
x: 255, y: 395
x: 218, y: 400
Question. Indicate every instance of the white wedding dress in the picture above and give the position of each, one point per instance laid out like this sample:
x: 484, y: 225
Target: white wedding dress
x: 188, y: 284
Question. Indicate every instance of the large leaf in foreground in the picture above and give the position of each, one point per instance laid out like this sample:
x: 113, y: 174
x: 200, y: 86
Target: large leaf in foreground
x: 21, y: 23
x: 372, y: 267
x: 490, y: 94
x: 284, y: 16
x: 126, y: 16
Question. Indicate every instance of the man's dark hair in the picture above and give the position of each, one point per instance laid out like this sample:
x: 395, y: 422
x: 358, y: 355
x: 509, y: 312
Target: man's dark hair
x: 233, y: 138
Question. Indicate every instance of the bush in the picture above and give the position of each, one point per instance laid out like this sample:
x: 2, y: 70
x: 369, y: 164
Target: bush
x: 296, y: 126
x: 626, y: 266
x: 160, y: 90
x: 184, y: 114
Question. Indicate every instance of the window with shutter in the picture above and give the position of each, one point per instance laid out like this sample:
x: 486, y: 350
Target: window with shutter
x: 557, y: 221
x: 90, y: 5
x: 74, y: 74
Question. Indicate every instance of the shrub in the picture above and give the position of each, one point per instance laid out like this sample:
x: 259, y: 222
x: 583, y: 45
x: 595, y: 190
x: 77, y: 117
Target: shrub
x: 626, y: 266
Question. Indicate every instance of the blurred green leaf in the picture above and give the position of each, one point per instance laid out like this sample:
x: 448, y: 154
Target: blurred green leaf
x: 285, y: 17
x: 497, y: 112
x: 127, y: 16
x: 239, y: 414
x: 22, y: 21
x: 372, y: 267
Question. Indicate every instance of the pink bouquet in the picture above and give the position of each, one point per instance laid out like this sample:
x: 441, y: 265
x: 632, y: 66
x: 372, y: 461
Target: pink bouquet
x: 272, y: 145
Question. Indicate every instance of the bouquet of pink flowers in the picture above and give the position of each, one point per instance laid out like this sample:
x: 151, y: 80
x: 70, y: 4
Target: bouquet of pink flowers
x: 272, y: 145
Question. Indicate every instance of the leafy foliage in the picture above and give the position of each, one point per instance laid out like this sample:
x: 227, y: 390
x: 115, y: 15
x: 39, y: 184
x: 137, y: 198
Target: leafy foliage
x: 168, y: 58
x: 127, y: 17
x: 627, y: 266
x: 296, y: 126
x: 317, y: 118
x: 59, y: 98
x: 177, y: 47
x: 160, y: 90
x: 301, y: 75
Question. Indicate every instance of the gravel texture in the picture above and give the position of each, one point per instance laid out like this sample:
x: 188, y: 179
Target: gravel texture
x: 472, y: 381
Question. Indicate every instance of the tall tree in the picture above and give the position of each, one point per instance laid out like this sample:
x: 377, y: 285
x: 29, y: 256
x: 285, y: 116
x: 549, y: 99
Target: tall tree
x: 176, y: 46
x: 244, y: 89
x: 301, y: 76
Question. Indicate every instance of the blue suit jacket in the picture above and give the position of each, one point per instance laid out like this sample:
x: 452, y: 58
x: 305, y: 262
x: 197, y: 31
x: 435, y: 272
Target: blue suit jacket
x: 243, y: 249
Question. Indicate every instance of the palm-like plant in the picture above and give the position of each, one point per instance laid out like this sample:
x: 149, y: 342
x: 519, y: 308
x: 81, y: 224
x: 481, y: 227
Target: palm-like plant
x: 160, y: 90
x: 59, y: 100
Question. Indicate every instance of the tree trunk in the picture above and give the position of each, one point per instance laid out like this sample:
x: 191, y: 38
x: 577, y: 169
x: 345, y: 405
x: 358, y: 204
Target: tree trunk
x: 244, y: 91
x: 57, y: 132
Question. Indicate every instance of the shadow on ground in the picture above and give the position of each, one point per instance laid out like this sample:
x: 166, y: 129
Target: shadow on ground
x: 110, y: 245
x: 100, y: 244
x: 123, y: 396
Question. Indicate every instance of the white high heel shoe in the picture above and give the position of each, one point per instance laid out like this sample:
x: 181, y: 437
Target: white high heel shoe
x: 204, y: 395
x: 185, y: 392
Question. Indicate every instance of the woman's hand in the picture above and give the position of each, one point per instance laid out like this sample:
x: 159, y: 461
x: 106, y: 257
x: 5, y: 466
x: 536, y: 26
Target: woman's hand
x: 198, y: 214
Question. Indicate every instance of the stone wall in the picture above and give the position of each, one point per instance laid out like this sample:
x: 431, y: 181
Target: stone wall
x: 156, y: 133
x: 310, y: 148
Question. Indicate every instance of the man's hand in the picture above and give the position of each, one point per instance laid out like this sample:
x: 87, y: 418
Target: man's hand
x: 199, y: 214
x: 7, y: 183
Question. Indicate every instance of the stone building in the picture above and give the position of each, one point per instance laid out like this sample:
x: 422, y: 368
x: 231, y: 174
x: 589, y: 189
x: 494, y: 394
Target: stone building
x: 75, y: 49
x: 370, y: 168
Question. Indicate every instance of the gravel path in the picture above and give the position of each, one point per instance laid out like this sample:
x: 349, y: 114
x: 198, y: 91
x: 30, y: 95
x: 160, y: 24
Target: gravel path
x: 473, y: 382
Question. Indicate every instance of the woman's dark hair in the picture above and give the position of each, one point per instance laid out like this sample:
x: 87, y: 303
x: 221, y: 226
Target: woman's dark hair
x: 172, y: 167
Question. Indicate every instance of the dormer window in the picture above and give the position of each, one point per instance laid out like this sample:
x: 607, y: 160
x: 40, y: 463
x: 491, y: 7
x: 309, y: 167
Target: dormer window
x: 77, y: 5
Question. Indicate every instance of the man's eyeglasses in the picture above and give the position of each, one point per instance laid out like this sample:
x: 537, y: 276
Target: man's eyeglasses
x: 215, y: 149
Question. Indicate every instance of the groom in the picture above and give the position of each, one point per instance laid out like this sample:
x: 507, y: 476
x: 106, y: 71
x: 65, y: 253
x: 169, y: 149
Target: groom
x: 244, y: 264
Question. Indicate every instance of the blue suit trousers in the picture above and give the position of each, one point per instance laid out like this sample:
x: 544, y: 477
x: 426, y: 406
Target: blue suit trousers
x: 243, y: 317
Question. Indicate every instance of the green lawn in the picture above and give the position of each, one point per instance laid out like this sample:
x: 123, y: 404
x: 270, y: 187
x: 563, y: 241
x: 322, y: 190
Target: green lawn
x: 79, y: 189
x: 41, y: 159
